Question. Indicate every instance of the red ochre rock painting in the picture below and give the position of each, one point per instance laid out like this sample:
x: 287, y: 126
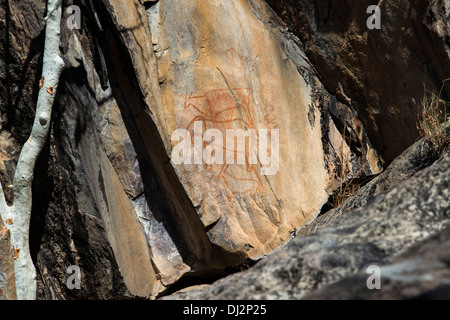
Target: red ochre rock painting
x: 224, y: 109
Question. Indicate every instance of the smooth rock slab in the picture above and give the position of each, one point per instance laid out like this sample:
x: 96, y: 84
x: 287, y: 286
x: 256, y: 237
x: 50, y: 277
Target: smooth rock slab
x: 229, y: 65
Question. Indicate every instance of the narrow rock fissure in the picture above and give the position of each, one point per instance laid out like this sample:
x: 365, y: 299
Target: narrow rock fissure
x: 187, y: 230
x: 200, y: 279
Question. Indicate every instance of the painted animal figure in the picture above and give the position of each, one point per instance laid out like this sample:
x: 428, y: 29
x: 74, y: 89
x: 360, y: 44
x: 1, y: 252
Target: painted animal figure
x: 224, y: 109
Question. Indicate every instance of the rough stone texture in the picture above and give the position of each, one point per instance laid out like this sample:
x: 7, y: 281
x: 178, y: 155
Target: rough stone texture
x: 417, y: 157
x: 217, y: 223
x: 20, y: 51
x: 66, y: 228
x: 106, y: 196
x: 385, y: 227
x: 254, y: 76
x: 7, y: 283
x: 421, y: 273
x: 380, y: 73
x: 21, y: 46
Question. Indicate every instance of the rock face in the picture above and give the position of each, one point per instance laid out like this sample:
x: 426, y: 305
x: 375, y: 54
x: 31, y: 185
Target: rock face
x: 420, y: 273
x: 7, y: 283
x: 417, y: 157
x: 252, y: 78
x: 380, y: 73
x: 387, y: 226
x: 196, y: 79
x: 126, y: 187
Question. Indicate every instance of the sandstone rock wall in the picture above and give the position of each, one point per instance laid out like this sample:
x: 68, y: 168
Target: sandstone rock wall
x: 254, y: 76
x: 108, y: 195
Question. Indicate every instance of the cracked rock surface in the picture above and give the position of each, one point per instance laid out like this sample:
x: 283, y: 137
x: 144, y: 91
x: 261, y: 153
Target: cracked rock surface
x: 109, y: 197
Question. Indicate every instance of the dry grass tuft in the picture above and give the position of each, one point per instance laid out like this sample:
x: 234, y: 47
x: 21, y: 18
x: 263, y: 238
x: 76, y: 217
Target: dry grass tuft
x: 431, y: 118
x: 347, y: 187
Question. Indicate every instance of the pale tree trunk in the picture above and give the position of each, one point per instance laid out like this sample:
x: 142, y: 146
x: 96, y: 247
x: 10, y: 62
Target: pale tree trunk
x: 18, y: 215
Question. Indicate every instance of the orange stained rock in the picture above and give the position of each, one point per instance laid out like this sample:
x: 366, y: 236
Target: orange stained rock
x: 16, y: 253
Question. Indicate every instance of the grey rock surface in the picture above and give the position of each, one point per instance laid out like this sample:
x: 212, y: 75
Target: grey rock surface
x: 107, y: 198
x: 381, y: 73
x: 7, y: 282
x: 421, y: 273
x: 390, y: 223
x: 417, y: 157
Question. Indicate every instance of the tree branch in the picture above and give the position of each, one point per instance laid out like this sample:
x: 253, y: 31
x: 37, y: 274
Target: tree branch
x: 23, y: 178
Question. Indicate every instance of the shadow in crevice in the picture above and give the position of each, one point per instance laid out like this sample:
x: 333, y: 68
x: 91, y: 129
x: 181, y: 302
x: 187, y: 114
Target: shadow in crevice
x: 153, y: 191
x: 126, y: 93
x: 43, y: 183
x: 18, y: 77
x: 66, y: 227
x: 10, y: 114
x: 164, y: 192
x: 198, y: 279
x: 41, y: 198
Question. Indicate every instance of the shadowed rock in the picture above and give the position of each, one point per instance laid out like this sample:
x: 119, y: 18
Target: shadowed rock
x: 387, y: 226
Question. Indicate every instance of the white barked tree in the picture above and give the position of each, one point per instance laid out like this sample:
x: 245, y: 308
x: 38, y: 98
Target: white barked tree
x: 17, y: 216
